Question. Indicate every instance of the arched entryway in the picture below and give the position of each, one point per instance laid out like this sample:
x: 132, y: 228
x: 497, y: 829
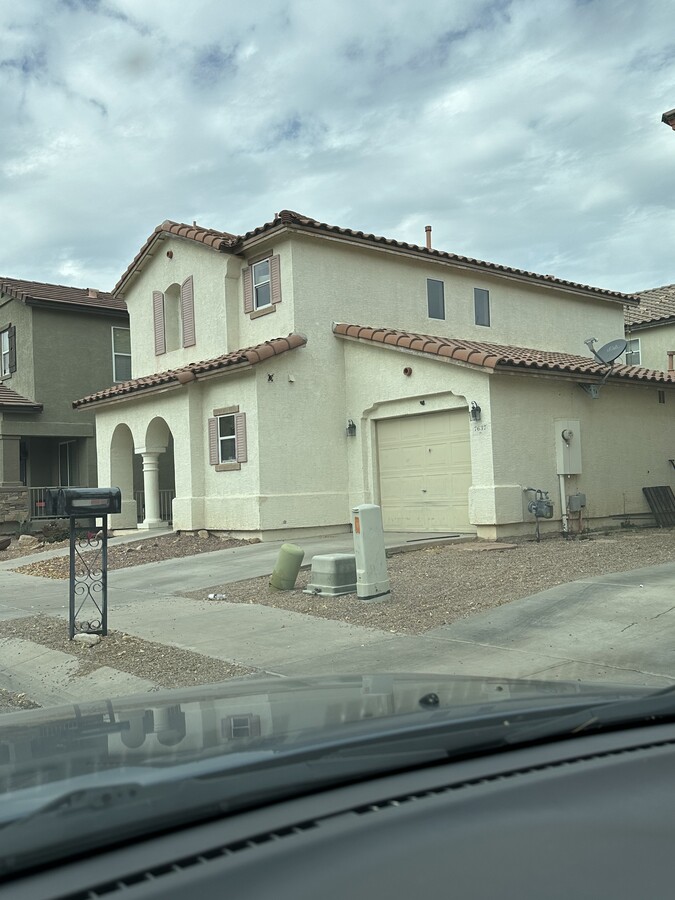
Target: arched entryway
x: 159, y: 480
x: 122, y: 476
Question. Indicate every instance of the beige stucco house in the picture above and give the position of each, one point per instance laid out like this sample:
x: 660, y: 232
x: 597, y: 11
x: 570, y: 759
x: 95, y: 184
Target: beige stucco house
x: 373, y: 371
x: 650, y: 329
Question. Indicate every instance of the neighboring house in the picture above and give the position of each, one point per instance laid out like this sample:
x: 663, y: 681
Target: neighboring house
x: 56, y: 343
x: 650, y: 329
x: 373, y: 371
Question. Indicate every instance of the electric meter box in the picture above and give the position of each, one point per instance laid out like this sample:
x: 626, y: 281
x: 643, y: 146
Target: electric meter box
x: 576, y: 502
x: 84, y: 502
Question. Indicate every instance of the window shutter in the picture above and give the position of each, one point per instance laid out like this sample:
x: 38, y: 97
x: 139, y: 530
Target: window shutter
x: 275, y: 279
x: 240, y: 433
x: 158, y: 316
x: 248, y: 289
x: 187, y: 312
x: 214, y: 456
x: 11, y: 340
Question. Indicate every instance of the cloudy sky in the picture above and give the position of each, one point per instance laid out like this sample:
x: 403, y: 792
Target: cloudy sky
x: 527, y: 132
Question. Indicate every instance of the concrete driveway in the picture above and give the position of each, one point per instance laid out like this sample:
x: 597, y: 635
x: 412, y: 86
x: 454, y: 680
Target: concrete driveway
x: 618, y: 628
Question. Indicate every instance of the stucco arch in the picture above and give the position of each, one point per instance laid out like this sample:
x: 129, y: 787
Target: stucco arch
x: 159, y: 479
x: 122, y: 475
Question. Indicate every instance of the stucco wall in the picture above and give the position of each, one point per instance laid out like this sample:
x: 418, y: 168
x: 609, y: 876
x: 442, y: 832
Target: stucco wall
x: 377, y: 388
x: 15, y: 313
x: 368, y: 287
x: 204, y: 498
x: 654, y: 345
x: 303, y: 449
x: 220, y: 323
x: 626, y: 439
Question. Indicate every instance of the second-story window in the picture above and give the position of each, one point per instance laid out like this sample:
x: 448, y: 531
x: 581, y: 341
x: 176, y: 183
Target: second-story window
x: 633, y: 352
x: 7, y: 351
x: 121, y: 340
x: 262, y: 286
x: 481, y: 306
x: 435, y: 299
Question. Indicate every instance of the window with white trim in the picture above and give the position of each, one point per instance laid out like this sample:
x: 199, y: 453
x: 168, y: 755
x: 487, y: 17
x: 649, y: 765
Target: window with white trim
x: 227, y: 439
x: 7, y: 351
x: 633, y: 352
x: 262, y: 285
x: 4, y: 350
x: 241, y: 726
x: 121, y: 343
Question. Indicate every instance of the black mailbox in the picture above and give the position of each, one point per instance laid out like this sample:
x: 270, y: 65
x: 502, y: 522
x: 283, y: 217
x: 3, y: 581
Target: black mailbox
x: 84, y: 502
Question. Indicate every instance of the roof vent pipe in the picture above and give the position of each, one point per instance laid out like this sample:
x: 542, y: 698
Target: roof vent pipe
x: 427, y: 229
x: 91, y: 292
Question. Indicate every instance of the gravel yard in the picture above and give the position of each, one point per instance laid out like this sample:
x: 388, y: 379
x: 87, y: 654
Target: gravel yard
x: 168, y: 667
x: 123, y: 556
x: 437, y: 586
x: 11, y: 701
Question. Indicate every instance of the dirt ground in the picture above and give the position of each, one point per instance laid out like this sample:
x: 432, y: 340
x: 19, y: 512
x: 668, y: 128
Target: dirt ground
x: 168, y: 667
x: 439, y: 585
x: 122, y: 556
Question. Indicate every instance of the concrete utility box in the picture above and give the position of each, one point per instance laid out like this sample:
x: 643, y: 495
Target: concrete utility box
x: 332, y: 574
x: 372, y: 578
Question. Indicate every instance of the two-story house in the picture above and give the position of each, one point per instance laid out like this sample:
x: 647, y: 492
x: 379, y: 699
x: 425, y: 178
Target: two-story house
x: 56, y: 343
x: 437, y: 386
x: 650, y: 329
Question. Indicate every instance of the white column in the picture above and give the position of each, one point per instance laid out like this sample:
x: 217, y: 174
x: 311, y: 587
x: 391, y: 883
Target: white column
x: 151, y: 490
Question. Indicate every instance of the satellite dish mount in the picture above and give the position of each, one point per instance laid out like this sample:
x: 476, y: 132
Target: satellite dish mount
x: 606, y: 355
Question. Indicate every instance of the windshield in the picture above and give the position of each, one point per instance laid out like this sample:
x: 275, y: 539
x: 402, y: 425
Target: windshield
x: 337, y: 386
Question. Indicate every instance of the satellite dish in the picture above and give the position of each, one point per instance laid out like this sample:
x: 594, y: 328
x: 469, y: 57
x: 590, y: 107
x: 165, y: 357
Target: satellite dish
x: 608, y: 352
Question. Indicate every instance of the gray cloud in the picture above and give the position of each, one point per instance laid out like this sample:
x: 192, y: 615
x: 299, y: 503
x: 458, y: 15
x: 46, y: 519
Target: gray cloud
x: 527, y: 132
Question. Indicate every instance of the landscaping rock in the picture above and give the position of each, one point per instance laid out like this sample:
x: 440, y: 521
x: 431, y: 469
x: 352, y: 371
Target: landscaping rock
x: 203, y: 534
x: 89, y: 640
x: 4, y: 543
x: 28, y: 540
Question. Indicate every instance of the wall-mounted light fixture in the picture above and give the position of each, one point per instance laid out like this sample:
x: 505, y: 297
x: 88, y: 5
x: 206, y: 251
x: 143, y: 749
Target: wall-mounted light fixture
x: 351, y: 428
x: 474, y: 411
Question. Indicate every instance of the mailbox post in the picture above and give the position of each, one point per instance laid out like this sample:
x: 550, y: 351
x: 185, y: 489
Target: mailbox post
x: 88, y: 577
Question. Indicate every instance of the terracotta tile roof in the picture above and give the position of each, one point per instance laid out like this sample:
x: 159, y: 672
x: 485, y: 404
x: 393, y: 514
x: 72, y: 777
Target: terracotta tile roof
x: 656, y: 306
x: 230, y: 243
x: 10, y: 400
x: 59, y: 294
x: 249, y: 356
x: 498, y: 357
x: 217, y: 240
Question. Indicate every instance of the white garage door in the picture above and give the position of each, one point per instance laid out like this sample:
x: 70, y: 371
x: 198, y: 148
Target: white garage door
x: 425, y: 472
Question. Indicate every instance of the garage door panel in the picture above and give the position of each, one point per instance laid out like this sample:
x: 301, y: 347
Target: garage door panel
x: 425, y: 472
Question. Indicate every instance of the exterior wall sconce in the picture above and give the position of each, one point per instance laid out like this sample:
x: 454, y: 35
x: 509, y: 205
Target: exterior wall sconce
x: 474, y: 411
x: 351, y: 428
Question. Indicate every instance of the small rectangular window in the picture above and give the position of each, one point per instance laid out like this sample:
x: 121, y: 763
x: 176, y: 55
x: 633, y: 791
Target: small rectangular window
x: 227, y: 440
x: 662, y: 396
x: 4, y: 352
x: 262, y: 287
x: 121, y: 338
x: 435, y: 298
x: 243, y: 726
x: 481, y: 306
x: 633, y: 352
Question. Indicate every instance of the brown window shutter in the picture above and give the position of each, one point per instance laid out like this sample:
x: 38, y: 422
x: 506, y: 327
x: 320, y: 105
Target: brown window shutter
x: 240, y: 433
x: 248, y: 289
x: 11, y: 339
x: 275, y: 279
x: 158, y: 316
x: 214, y: 456
x: 187, y: 312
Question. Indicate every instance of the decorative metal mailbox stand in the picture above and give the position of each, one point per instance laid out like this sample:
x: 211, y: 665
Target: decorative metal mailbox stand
x: 88, y: 574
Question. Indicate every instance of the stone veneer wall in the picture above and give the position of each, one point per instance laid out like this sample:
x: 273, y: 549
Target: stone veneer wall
x: 13, y: 507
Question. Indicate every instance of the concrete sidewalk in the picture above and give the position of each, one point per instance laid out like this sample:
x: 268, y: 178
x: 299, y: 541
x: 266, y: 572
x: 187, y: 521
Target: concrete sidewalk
x: 613, y: 628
